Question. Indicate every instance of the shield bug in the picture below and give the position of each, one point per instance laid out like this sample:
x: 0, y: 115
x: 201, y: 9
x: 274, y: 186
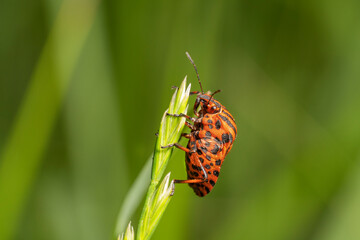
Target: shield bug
x: 212, y: 135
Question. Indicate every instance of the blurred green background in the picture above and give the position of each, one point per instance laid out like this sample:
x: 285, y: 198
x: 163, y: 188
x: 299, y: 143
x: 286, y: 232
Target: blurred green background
x: 84, y: 84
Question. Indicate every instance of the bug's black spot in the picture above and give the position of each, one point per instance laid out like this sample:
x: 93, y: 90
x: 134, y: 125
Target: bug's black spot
x: 211, y: 164
x: 201, y: 160
x: 218, y: 162
x: 209, y: 121
x: 207, y: 144
x: 207, y: 189
x: 210, y: 126
x: 194, y: 166
x: 208, y: 134
x: 206, y: 116
x: 187, y: 167
x: 187, y: 159
x: 217, y: 140
x: 207, y: 166
x: 195, y: 174
x: 204, y: 149
x: 218, y: 124
x: 200, y: 193
x: 199, y: 151
x: 215, y: 149
x: 212, y: 183
x: 208, y: 157
x: 216, y: 173
x: 209, y: 172
x: 225, y: 137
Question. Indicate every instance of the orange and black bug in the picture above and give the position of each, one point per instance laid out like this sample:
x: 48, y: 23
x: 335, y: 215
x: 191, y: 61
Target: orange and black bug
x: 210, y: 140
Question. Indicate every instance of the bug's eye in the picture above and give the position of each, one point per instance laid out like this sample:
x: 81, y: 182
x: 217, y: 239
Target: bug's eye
x: 213, y: 107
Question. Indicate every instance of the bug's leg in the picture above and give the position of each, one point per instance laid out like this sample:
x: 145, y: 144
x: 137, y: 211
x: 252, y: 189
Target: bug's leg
x: 197, y: 113
x: 190, y: 125
x: 186, y: 135
x: 174, y: 87
x: 176, y: 145
x: 196, y: 180
x: 185, y: 181
x: 196, y: 105
x: 181, y: 115
x: 194, y: 92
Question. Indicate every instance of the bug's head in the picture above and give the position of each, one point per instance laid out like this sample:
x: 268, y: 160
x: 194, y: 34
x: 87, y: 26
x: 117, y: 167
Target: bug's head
x: 208, y: 103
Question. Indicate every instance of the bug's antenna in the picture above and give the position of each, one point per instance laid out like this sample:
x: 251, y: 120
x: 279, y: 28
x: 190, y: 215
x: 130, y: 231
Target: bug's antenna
x: 217, y: 91
x: 197, y: 74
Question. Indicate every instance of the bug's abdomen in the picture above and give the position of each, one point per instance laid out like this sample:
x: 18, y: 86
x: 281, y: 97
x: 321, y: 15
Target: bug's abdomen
x: 214, y: 141
x: 209, y: 154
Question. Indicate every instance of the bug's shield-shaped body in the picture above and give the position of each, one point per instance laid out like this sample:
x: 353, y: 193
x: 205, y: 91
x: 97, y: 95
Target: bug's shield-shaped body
x: 209, y: 144
x: 210, y: 140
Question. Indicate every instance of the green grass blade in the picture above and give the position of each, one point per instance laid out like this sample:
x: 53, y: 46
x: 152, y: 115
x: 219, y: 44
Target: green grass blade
x: 158, y: 197
x: 27, y: 141
x: 169, y: 132
x: 134, y: 197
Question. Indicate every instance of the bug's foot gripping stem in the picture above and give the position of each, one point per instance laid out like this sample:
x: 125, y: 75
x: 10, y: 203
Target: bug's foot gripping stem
x: 173, y: 188
x: 176, y: 145
x: 181, y: 115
